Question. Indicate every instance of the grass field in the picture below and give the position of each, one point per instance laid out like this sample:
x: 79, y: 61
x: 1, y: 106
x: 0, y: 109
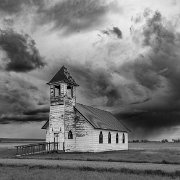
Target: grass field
x: 166, y: 153
x: 43, y: 173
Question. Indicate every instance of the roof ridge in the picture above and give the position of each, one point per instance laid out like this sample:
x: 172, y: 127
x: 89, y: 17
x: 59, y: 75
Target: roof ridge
x: 95, y: 108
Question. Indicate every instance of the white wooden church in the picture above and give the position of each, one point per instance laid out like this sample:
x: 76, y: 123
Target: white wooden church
x: 77, y: 127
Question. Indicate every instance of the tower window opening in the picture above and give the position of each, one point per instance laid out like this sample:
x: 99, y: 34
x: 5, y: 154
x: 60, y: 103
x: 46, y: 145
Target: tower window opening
x: 70, y: 91
x: 57, y: 90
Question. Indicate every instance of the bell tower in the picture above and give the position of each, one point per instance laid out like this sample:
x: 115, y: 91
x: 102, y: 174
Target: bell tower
x: 62, y: 102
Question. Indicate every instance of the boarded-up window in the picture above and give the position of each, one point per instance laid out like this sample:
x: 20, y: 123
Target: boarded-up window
x: 117, y: 138
x: 57, y: 90
x: 109, y: 138
x: 101, y: 138
x: 69, y: 91
x: 123, y: 138
x: 70, y: 135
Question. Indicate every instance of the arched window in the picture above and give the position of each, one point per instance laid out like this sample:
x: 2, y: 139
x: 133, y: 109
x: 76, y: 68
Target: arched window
x: 123, y: 138
x: 70, y: 135
x: 101, y: 138
x: 117, y: 138
x: 109, y: 138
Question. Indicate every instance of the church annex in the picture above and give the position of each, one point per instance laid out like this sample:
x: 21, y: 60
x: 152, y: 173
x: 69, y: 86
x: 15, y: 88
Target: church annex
x: 77, y: 127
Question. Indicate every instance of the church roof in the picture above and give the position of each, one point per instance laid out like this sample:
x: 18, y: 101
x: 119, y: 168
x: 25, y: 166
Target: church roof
x: 63, y: 76
x: 100, y: 119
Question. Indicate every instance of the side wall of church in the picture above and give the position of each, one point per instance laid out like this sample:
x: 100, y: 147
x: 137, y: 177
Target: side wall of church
x: 84, y: 134
x: 113, y: 146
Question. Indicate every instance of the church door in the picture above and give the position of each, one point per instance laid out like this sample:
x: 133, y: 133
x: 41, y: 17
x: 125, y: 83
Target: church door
x: 56, y: 141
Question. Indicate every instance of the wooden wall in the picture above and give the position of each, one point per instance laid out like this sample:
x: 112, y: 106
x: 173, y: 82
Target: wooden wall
x: 87, y: 138
x: 109, y: 147
x: 84, y: 134
x: 69, y: 121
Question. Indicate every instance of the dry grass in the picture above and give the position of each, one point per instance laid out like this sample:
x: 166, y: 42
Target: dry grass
x: 153, y: 156
x: 166, y: 153
x: 44, y: 173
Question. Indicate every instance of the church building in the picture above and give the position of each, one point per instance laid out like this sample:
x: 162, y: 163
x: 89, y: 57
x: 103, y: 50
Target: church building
x: 78, y: 127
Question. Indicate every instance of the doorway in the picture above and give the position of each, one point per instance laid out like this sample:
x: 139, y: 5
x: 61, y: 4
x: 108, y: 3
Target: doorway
x: 56, y: 141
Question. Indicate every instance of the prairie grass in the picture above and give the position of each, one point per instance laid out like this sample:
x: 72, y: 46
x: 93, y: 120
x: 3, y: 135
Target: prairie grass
x: 139, y: 156
x: 164, y: 153
x: 44, y: 173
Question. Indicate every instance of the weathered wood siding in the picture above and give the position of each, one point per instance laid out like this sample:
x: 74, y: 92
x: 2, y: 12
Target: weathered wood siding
x: 84, y: 134
x: 56, y: 124
x: 105, y: 146
x: 87, y: 138
x: 69, y: 121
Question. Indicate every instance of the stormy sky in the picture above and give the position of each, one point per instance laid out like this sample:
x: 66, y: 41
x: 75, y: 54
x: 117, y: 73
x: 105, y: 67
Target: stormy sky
x: 125, y: 55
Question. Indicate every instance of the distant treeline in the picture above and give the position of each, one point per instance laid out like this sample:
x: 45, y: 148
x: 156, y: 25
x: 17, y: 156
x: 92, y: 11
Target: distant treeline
x: 19, y: 139
x: 162, y: 141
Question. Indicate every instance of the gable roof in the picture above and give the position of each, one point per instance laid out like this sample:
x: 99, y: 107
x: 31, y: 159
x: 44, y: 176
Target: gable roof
x: 100, y: 119
x: 63, y: 76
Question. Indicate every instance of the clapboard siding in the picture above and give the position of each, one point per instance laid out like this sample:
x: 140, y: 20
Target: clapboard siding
x: 69, y: 121
x: 113, y: 145
x: 84, y: 134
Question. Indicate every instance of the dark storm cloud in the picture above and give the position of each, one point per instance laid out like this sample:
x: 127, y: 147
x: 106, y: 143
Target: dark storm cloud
x: 36, y: 111
x: 73, y: 16
x: 155, y: 70
x: 20, y: 97
x: 96, y: 83
x: 15, y: 7
x: 162, y: 60
x: 147, y: 124
x: 21, y: 54
x: 5, y: 119
x: 114, y: 31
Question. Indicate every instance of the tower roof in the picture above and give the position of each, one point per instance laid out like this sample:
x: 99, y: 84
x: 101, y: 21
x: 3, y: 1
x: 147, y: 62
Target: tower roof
x: 63, y: 76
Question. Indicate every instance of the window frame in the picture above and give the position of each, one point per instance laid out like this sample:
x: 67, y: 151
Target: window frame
x: 123, y: 138
x: 109, y: 138
x: 117, y: 138
x: 70, y: 135
x: 100, y: 137
x: 57, y: 90
x: 70, y: 94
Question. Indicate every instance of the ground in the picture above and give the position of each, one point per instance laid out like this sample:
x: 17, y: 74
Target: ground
x: 142, y: 161
x: 29, y: 173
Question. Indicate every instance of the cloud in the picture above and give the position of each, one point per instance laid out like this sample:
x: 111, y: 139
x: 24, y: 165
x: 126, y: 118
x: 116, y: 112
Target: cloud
x: 20, y: 96
x: 15, y: 7
x: 36, y: 111
x: 150, y: 123
x: 65, y: 16
x: 77, y: 15
x: 156, y: 70
x: 114, y: 31
x: 20, y: 52
x: 9, y: 118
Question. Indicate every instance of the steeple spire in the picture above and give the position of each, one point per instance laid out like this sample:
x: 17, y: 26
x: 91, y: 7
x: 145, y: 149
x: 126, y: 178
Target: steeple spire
x: 63, y: 76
